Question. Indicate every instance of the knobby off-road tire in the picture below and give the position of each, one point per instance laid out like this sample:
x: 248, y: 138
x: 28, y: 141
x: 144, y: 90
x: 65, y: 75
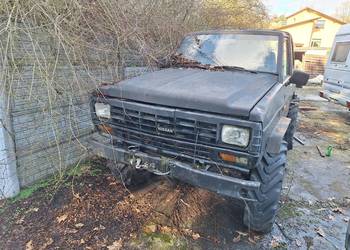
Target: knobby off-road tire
x: 293, y: 115
x: 260, y: 216
x: 128, y: 175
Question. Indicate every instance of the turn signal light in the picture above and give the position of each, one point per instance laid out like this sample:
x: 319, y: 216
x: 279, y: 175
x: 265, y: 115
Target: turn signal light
x: 105, y: 128
x: 234, y: 159
x: 227, y: 157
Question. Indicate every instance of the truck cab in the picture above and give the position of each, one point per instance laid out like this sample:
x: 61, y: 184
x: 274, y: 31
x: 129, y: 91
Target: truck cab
x: 220, y: 114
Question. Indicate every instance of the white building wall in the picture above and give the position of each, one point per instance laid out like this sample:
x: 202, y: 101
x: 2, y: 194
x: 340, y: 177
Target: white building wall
x: 9, y: 184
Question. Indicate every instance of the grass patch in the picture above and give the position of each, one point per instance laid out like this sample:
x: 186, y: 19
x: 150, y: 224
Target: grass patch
x: 88, y: 167
x: 78, y: 170
x: 281, y: 246
x: 96, y: 172
x: 166, y: 238
x: 29, y: 191
x: 162, y: 241
x: 289, y: 210
x: 158, y: 240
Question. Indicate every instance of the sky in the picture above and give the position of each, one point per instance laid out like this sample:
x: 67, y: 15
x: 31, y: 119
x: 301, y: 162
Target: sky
x: 286, y: 7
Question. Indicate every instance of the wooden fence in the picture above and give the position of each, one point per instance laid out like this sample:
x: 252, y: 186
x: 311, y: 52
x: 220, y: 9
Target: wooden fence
x: 314, y: 64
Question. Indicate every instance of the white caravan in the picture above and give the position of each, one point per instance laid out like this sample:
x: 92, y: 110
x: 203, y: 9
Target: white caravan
x: 336, y: 86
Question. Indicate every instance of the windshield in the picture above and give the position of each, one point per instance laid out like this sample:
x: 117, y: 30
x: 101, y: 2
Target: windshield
x: 251, y: 52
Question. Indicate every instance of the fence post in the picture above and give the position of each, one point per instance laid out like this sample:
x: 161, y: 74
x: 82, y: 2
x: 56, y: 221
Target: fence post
x: 9, y: 184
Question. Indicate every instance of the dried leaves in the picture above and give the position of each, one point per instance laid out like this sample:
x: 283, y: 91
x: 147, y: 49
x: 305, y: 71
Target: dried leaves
x: 46, y: 244
x: 79, y: 225
x: 250, y: 237
x: 29, y: 245
x: 61, y: 218
x: 195, y: 236
x: 150, y: 229
x: 116, y: 245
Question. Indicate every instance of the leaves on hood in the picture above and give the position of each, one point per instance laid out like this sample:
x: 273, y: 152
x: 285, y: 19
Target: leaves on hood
x: 338, y: 210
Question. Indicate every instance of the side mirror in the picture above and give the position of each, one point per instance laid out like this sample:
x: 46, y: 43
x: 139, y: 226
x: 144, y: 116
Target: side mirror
x: 299, y: 78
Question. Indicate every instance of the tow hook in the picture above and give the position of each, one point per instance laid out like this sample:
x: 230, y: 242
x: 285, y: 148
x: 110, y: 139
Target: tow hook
x: 136, y: 162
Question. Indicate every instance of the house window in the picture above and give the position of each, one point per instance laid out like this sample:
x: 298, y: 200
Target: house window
x: 315, y: 43
x: 319, y: 24
x: 341, y: 52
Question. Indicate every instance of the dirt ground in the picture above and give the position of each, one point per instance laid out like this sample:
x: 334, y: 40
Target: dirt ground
x: 91, y: 210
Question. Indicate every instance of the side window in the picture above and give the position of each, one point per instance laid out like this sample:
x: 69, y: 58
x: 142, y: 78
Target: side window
x: 285, y: 57
x: 341, y: 52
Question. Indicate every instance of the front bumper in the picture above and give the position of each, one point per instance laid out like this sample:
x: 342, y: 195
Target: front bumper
x: 223, y: 185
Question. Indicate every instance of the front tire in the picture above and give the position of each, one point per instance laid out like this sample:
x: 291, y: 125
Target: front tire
x: 260, y: 215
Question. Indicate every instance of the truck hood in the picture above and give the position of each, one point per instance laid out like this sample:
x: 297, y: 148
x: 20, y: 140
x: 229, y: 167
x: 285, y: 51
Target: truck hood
x: 228, y: 92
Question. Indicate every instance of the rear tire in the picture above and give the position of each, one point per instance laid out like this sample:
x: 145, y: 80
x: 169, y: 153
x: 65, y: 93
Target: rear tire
x: 260, y: 215
x: 293, y: 115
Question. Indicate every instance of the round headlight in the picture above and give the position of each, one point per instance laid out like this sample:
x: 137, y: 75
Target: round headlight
x: 235, y: 135
x: 103, y: 110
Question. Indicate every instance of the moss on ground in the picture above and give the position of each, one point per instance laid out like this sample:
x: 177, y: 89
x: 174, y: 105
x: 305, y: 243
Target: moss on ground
x: 161, y: 241
x: 281, y: 246
x: 29, y: 191
x: 288, y: 210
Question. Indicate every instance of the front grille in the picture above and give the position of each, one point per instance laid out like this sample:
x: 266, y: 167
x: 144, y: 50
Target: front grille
x: 164, y: 146
x: 204, y: 157
x: 183, y: 126
x: 190, y: 130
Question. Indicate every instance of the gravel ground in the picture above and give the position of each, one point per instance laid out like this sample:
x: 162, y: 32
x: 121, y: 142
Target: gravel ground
x: 90, y: 210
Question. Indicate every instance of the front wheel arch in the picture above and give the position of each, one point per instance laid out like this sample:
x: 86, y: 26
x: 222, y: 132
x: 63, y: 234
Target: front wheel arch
x: 275, y: 140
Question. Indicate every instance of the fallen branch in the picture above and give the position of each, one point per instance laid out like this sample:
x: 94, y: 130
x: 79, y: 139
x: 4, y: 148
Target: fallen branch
x: 299, y: 140
x: 319, y: 151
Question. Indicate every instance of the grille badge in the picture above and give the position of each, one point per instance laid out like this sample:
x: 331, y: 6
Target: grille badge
x: 165, y: 129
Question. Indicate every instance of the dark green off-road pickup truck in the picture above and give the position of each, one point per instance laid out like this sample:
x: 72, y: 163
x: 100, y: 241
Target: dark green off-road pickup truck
x: 220, y: 115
